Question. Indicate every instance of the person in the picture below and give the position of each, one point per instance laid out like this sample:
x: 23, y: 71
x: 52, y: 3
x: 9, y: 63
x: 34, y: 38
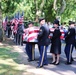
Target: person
x: 50, y: 24
x: 20, y: 31
x: 75, y: 36
x: 70, y: 42
x: 12, y: 30
x: 8, y: 29
x: 43, y: 42
x: 29, y: 46
x: 56, y: 43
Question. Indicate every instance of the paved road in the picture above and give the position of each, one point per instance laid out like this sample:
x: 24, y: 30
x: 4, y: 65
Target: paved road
x: 61, y: 69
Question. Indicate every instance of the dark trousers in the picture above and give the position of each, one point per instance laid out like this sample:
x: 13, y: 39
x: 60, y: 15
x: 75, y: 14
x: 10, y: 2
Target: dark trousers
x: 29, y: 50
x: 8, y: 33
x: 18, y: 38
x: 43, y: 55
x: 68, y: 52
x: 75, y: 43
x: 15, y: 38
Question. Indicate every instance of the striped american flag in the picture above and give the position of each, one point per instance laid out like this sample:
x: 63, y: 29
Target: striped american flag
x: 4, y: 22
x: 31, y: 33
x: 61, y: 30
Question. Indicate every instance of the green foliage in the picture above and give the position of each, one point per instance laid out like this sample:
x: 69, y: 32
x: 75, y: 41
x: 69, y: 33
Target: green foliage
x: 30, y: 7
x: 5, y: 53
x: 49, y: 11
x: 70, y: 12
x: 9, y: 62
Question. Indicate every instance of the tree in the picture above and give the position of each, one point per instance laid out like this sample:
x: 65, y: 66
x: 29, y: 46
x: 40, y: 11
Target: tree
x: 70, y: 12
x: 40, y: 8
x: 1, y: 30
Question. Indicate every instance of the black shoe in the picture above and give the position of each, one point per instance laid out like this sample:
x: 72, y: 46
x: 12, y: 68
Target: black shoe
x: 29, y: 60
x: 53, y: 62
x: 39, y: 66
x: 72, y: 59
x: 68, y: 63
x: 57, y: 63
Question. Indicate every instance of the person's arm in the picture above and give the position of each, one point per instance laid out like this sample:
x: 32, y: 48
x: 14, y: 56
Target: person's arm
x: 70, y: 33
x: 40, y: 33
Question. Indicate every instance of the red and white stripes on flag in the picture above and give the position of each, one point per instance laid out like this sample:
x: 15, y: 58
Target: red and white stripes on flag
x: 31, y: 33
x: 4, y: 23
x: 61, y: 30
x: 16, y: 25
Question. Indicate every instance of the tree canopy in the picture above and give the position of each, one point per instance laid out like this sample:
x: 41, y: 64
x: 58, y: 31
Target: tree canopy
x: 40, y: 8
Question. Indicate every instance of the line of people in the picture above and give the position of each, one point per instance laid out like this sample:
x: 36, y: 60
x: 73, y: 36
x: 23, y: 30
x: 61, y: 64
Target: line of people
x: 55, y: 41
x: 15, y: 31
x: 44, y: 41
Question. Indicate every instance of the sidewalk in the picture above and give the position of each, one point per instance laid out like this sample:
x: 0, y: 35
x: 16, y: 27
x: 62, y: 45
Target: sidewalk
x: 61, y: 69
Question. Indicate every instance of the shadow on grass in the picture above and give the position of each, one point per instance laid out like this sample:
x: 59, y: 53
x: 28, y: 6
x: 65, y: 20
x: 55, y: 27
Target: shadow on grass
x: 5, y: 53
x: 9, y: 62
x: 9, y: 70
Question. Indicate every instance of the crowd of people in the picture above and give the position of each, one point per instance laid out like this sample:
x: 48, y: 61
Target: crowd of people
x: 45, y: 37
x: 15, y: 31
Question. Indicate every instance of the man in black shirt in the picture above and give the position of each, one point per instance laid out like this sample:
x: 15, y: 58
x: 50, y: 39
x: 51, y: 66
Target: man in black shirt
x: 70, y: 42
x: 43, y: 42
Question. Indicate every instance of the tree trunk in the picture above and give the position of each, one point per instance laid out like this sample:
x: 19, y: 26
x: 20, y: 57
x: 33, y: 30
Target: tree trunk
x: 1, y: 29
x: 63, y: 6
x: 36, y: 7
x: 39, y: 10
x: 55, y: 5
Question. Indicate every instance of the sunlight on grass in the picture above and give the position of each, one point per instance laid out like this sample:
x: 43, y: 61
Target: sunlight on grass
x: 9, y: 63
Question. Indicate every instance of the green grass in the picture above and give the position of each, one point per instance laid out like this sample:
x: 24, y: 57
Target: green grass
x: 9, y: 62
